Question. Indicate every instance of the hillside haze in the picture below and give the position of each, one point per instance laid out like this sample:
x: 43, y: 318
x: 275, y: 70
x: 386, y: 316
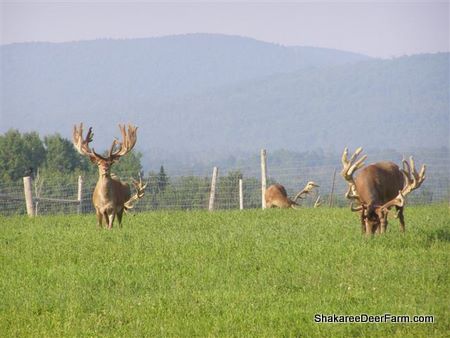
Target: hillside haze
x: 221, y: 94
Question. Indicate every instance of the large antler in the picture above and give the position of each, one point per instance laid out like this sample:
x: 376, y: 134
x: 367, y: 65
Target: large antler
x: 306, y: 190
x: 413, y: 181
x: 350, y: 166
x: 348, y: 169
x: 140, y: 191
x: 128, y: 141
x: 82, y: 144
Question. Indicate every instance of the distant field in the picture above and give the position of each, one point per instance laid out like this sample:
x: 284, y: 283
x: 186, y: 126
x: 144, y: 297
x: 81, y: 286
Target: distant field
x: 228, y: 273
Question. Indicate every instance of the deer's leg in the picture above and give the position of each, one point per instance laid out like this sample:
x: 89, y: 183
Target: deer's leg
x: 382, y: 227
x: 363, y: 223
x: 119, y: 216
x: 111, y: 217
x: 99, y: 218
x: 105, y: 216
x: 369, y: 228
x: 401, y: 218
x: 377, y: 229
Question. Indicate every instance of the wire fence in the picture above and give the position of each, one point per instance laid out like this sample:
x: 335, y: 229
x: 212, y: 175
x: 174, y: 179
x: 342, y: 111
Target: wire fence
x: 191, y: 191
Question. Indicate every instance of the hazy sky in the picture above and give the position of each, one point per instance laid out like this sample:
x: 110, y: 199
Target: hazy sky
x: 375, y: 28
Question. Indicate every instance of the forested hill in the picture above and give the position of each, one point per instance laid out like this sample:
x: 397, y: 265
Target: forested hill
x: 397, y: 104
x: 108, y: 76
x: 220, y: 94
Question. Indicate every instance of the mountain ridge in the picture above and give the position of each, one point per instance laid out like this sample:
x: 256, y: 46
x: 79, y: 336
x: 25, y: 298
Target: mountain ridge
x: 219, y: 94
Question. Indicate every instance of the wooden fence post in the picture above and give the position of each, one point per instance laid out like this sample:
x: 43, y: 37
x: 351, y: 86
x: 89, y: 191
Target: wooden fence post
x: 80, y: 194
x: 241, y: 195
x: 263, y: 177
x: 330, y: 202
x: 28, y: 195
x: 212, y: 194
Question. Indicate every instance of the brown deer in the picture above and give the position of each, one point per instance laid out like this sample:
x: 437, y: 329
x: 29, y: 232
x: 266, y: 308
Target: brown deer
x: 377, y: 188
x: 276, y: 196
x: 111, y: 196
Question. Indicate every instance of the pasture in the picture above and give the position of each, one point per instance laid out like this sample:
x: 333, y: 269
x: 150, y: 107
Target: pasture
x: 226, y: 273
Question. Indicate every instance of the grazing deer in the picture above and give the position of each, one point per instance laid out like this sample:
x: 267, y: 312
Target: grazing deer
x: 111, y: 196
x: 377, y: 188
x: 276, y: 196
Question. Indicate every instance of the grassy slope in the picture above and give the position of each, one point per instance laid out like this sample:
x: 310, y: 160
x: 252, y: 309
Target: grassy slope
x: 260, y: 273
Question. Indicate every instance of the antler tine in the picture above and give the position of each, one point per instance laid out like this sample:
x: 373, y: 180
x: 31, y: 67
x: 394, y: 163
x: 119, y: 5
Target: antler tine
x: 350, y: 166
x: 306, y: 190
x: 128, y: 141
x: 358, y: 164
x: 113, y: 146
x: 356, y: 154
x: 413, y: 165
x: 138, y: 184
x: 406, y: 169
x: 413, y: 180
x: 344, y: 158
x: 318, y: 202
x: 82, y: 145
x: 358, y: 208
x: 140, y: 191
x: 399, y: 201
x: 351, y: 192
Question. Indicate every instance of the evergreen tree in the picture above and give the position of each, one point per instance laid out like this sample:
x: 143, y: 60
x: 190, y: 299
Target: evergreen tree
x: 163, y: 180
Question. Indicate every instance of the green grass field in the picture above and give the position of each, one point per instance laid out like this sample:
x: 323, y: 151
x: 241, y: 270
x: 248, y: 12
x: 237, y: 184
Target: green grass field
x: 227, y: 273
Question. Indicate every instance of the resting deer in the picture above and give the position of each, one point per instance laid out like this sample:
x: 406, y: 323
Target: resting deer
x: 111, y: 196
x: 377, y: 188
x: 276, y: 196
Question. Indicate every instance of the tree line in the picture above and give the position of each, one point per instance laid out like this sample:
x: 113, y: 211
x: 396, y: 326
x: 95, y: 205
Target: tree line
x: 26, y: 154
x: 56, y: 164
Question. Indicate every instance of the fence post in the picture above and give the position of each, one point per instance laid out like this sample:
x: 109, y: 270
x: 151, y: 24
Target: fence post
x: 212, y: 194
x: 80, y: 194
x: 28, y: 195
x: 330, y: 202
x: 263, y: 177
x: 241, y: 195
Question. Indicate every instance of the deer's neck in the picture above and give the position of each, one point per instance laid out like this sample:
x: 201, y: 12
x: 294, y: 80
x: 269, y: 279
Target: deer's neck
x: 104, y: 183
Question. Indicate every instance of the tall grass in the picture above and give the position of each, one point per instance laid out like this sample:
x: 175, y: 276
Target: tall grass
x: 249, y: 273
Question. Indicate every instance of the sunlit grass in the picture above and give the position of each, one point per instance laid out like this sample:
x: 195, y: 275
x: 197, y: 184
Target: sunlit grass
x: 234, y: 273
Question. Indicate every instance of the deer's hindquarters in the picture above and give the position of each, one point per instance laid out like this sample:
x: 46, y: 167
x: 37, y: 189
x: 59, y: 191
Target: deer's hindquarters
x: 276, y: 196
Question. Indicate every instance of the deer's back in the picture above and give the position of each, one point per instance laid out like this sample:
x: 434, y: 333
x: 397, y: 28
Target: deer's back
x: 379, y: 183
x: 276, y: 196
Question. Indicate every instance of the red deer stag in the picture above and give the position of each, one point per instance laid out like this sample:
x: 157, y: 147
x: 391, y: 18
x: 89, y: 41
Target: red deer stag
x: 276, y: 196
x: 111, y: 196
x: 377, y: 188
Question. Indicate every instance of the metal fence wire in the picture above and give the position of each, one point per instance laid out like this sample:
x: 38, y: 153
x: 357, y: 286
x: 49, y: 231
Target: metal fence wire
x: 189, y: 191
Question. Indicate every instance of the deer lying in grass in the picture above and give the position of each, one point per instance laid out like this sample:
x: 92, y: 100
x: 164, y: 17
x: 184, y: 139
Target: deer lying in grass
x: 111, y: 196
x: 379, y: 187
x: 276, y: 196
